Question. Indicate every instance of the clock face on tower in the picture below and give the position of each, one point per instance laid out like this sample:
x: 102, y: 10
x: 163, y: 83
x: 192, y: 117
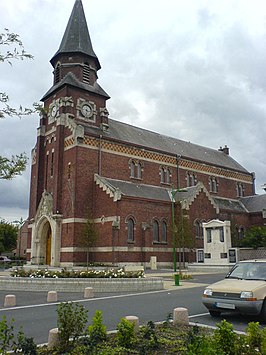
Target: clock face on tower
x: 54, y: 110
x: 86, y: 110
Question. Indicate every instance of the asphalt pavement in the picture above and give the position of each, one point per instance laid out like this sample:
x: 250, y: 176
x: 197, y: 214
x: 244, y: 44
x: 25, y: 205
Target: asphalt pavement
x: 26, y: 298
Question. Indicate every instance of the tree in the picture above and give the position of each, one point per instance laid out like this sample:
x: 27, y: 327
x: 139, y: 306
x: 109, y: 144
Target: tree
x: 88, y: 237
x: 13, y: 49
x: 10, y: 168
x: 184, y: 233
x: 8, y: 236
x: 255, y: 237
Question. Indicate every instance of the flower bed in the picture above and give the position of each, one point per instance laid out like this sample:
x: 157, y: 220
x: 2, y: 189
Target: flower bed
x: 99, y: 274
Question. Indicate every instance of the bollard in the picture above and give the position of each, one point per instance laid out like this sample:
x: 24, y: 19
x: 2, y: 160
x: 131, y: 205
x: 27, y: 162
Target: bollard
x: 180, y: 316
x: 52, y: 296
x: 10, y: 301
x: 53, y: 338
x: 176, y: 279
x: 135, y: 321
x: 88, y: 292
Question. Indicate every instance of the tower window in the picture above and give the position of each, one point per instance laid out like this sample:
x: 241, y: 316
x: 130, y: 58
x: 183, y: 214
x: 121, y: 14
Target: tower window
x: 52, y: 164
x: 57, y: 76
x: 86, y: 73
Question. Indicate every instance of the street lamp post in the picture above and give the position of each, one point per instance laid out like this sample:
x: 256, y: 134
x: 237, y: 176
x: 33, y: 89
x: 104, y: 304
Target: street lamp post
x: 174, y: 230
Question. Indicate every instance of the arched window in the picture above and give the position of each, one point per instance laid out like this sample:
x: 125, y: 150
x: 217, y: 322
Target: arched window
x: 139, y: 170
x: 164, y: 232
x: 130, y: 230
x: 213, y: 184
x: 199, y: 229
x: 165, y: 175
x: 136, y: 168
x: 191, y: 179
x: 132, y: 169
x: 241, y: 233
x: 240, y: 189
x: 155, y: 231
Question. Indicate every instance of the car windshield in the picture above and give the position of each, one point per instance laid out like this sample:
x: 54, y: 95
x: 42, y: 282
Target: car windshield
x: 248, y: 271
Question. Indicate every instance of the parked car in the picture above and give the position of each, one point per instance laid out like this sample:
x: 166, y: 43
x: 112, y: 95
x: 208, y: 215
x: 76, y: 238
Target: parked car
x: 243, y: 290
x: 4, y: 258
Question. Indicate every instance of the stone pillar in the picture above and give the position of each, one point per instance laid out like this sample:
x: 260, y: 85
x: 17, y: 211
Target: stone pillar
x: 180, y: 316
x: 52, y: 296
x: 53, y: 338
x: 10, y: 301
x: 153, y: 263
x: 88, y: 292
x: 135, y: 321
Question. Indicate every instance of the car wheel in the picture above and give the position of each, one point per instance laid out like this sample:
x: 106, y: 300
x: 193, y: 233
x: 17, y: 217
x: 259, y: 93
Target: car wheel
x: 263, y: 312
x: 215, y: 313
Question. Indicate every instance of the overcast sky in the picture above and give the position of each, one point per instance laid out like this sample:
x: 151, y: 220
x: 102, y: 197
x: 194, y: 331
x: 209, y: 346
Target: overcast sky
x: 194, y: 70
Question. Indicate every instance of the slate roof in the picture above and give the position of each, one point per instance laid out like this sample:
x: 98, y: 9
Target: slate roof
x: 70, y: 79
x: 132, y: 189
x: 254, y: 203
x: 137, y: 190
x: 76, y: 37
x: 230, y: 205
x: 136, y: 136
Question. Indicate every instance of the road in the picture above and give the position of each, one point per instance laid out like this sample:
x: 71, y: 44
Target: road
x: 37, y: 317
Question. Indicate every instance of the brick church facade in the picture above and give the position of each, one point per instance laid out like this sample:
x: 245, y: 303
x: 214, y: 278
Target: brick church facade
x: 132, y: 183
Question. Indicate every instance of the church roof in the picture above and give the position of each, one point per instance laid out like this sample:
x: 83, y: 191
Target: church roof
x: 151, y: 140
x: 132, y: 189
x: 255, y: 203
x: 229, y: 204
x: 76, y: 38
x: 70, y: 79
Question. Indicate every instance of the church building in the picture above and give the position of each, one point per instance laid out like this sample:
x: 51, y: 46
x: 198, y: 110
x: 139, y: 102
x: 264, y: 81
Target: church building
x: 138, y: 189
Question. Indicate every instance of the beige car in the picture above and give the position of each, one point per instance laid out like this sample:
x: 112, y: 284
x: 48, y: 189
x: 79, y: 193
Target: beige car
x: 243, y: 290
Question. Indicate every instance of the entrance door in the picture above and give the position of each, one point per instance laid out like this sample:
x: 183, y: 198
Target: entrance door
x: 200, y: 256
x: 48, y: 246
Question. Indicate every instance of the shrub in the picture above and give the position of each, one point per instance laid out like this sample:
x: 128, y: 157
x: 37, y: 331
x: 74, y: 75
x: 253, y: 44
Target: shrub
x: 6, y: 334
x: 125, y: 333
x: 97, y: 331
x: 225, y: 338
x: 71, y: 322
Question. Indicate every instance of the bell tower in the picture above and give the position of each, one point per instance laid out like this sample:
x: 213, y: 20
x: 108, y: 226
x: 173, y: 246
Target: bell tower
x: 75, y: 70
x: 62, y: 167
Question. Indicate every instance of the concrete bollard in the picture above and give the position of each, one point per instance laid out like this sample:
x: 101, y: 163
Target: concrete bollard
x: 52, y: 296
x: 53, y: 338
x: 88, y: 292
x: 135, y: 321
x: 10, y: 301
x: 180, y: 316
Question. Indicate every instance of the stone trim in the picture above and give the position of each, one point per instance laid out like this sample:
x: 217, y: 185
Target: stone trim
x: 117, y: 249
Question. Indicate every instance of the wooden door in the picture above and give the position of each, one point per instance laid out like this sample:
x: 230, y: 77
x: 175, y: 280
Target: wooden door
x: 48, y: 247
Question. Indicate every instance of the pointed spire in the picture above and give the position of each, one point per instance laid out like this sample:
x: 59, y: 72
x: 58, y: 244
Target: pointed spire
x: 76, y: 37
